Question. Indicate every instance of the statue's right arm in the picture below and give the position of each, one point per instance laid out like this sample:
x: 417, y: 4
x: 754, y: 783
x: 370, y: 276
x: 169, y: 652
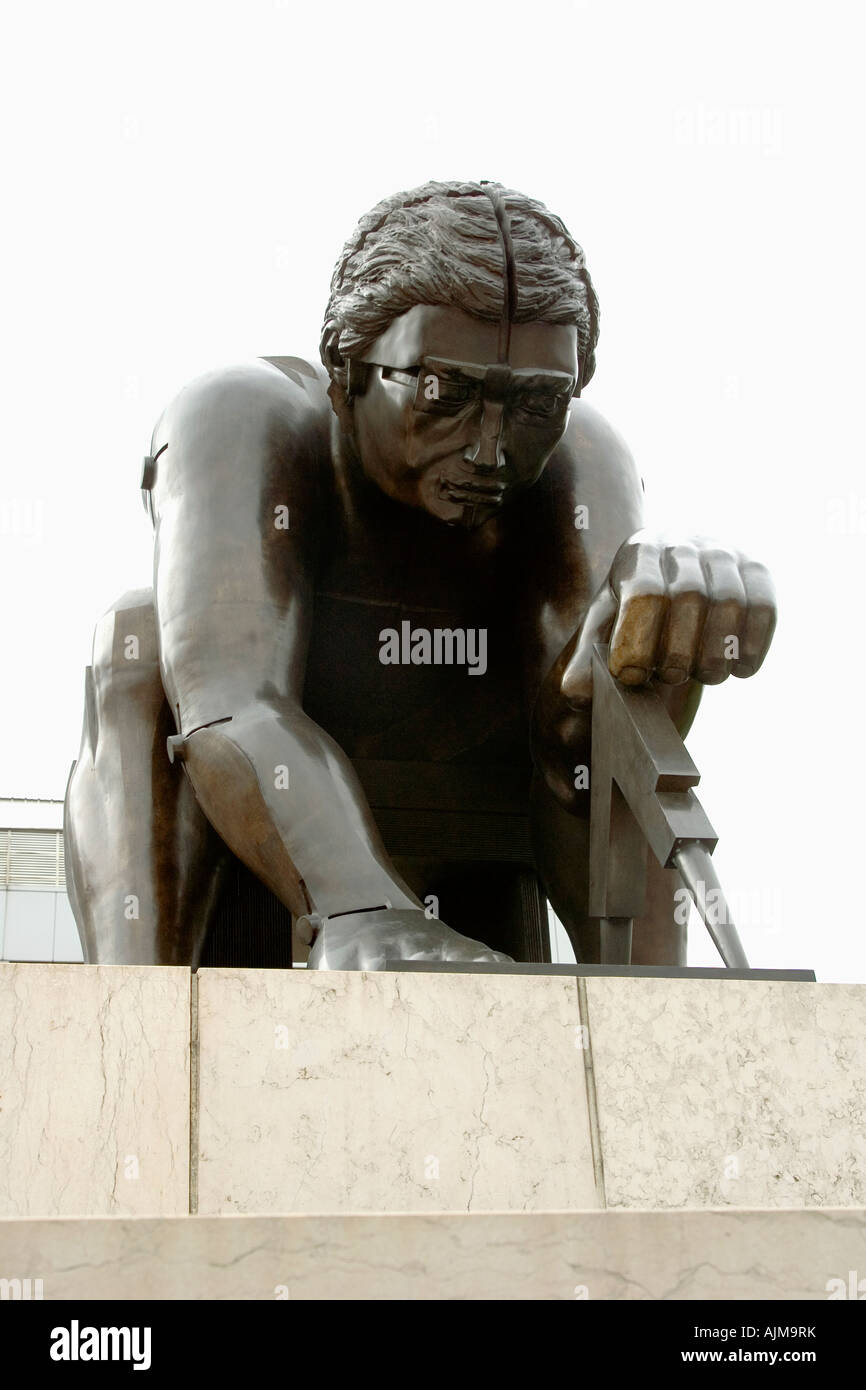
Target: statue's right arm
x: 239, y: 454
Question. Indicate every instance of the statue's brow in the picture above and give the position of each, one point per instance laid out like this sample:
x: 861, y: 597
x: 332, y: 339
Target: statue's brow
x: 454, y: 374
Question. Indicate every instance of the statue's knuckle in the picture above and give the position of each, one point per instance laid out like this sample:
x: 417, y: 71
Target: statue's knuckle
x: 715, y: 555
x: 645, y: 590
x: 683, y: 553
x: 757, y: 574
x: 690, y: 595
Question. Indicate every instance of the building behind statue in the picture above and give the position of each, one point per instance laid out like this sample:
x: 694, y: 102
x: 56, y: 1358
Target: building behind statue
x: 36, y: 921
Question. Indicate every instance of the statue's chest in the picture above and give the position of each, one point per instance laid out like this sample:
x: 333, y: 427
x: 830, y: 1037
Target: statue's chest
x: 401, y: 668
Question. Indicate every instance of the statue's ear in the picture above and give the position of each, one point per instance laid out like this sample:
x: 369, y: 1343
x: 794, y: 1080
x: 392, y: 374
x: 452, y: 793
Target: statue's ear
x: 586, y: 370
x: 357, y: 377
x: 349, y: 374
x: 331, y: 355
x: 582, y: 377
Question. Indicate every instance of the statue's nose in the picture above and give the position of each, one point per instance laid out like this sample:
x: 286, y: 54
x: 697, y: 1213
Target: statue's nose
x: 487, y: 456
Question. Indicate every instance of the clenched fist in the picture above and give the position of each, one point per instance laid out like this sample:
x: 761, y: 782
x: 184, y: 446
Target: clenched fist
x: 672, y: 611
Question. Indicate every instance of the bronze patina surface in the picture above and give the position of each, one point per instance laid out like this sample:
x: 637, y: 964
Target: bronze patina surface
x: 391, y: 571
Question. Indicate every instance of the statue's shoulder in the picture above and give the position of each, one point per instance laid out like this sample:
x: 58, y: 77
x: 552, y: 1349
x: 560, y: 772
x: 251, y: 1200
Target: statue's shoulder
x: 261, y: 388
x: 309, y: 376
x: 590, y: 443
x: 589, y: 429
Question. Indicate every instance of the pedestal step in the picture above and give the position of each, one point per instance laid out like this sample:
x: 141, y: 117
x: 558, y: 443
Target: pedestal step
x: 609, y: 1255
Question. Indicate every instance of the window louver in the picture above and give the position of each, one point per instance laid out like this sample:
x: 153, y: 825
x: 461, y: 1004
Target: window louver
x: 32, y: 859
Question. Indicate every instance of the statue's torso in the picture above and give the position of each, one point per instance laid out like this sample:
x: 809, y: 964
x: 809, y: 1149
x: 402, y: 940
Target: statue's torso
x: 381, y: 565
x: 385, y: 569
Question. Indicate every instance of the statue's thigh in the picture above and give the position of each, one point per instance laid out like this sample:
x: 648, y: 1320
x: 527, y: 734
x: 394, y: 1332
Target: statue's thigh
x: 143, y: 866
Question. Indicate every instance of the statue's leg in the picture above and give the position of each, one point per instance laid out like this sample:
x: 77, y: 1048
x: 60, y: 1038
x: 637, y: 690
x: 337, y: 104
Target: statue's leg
x: 561, y: 844
x: 143, y: 866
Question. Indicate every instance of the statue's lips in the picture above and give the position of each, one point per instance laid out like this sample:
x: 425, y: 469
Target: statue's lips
x: 491, y: 494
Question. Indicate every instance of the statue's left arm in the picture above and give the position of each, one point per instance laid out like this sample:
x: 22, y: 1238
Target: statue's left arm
x: 679, y: 612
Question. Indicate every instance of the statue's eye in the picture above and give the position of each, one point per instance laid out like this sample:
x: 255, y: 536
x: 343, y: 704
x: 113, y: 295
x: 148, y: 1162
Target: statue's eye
x: 542, y: 403
x: 453, y: 391
x: 442, y: 393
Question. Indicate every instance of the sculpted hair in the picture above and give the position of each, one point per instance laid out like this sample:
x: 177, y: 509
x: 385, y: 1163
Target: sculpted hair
x: 441, y: 244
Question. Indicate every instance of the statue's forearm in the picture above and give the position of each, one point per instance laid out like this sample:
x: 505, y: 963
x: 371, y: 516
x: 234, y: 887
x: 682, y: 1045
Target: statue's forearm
x: 286, y: 800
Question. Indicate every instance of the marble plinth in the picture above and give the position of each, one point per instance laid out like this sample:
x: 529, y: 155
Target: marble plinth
x: 343, y: 1092
x: 601, y: 1255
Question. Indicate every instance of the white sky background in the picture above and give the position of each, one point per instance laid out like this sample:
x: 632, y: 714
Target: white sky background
x: 179, y: 179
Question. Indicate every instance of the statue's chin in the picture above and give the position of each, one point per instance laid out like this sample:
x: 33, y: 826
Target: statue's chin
x: 474, y: 516
x: 468, y: 514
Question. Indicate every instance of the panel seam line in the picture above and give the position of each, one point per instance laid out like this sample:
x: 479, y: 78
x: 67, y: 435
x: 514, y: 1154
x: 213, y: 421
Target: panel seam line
x: 194, y: 1096
x: 591, y: 1093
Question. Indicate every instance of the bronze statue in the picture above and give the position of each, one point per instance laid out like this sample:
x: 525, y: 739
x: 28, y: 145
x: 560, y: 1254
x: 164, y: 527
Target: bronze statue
x: 402, y: 562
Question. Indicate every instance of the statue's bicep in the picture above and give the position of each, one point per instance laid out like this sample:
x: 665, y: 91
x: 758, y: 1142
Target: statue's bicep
x: 232, y: 579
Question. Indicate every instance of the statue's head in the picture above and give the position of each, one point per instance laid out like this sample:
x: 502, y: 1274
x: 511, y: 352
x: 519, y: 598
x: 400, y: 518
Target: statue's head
x: 461, y: 323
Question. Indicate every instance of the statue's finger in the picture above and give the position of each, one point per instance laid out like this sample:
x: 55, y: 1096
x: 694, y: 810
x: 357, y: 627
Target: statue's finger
x: 760, y: 623
x: 725, y: 617
x: 642, y: 613
x: 681, y: 639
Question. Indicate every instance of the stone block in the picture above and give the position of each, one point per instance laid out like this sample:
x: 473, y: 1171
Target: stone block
x: 344, y: 1091
x: 94, y: 1090
x: 729, y: 1093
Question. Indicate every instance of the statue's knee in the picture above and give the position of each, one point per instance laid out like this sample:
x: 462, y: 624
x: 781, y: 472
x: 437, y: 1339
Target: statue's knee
x: 124, y: 684
x: 124, y: 642
x: 123, y: 690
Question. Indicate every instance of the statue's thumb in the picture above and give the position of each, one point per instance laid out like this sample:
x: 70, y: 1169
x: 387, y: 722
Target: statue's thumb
x: 597, y: 627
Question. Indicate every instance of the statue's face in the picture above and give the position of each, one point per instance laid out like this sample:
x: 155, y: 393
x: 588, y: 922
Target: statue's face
x: 446, y: 425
